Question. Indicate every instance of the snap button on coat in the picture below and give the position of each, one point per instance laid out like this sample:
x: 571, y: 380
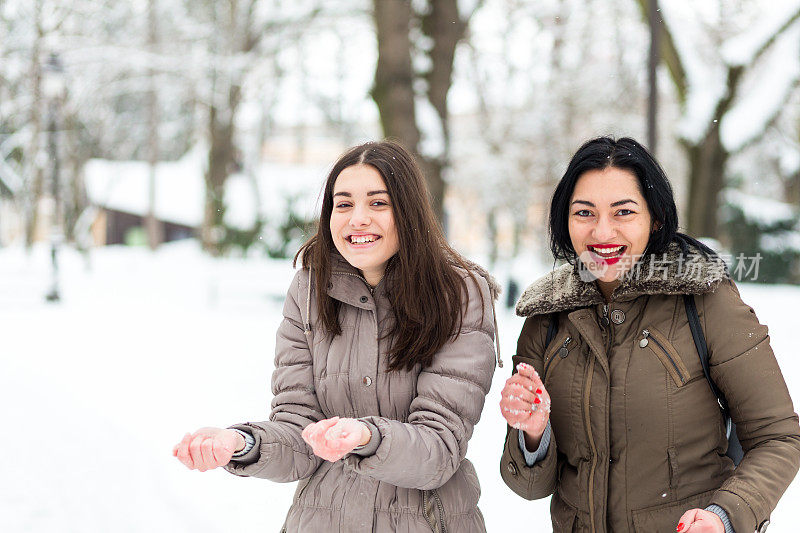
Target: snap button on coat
x: 367, y: 381
x: 512, y: 468
x: 363, y: 299
x: 617, y: 316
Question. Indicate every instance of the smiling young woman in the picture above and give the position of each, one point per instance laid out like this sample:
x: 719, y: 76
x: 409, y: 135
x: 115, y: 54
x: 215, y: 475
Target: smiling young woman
x: 382, y: 364
x: 610, y: 410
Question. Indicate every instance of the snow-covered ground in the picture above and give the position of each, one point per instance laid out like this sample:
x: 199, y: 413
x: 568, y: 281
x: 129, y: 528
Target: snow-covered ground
x: 96, y: 390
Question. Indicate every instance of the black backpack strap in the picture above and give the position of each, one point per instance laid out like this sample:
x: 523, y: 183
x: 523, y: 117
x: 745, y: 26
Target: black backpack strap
x: 735, y: 450
x: 552, y: 329
x: 702, y: 349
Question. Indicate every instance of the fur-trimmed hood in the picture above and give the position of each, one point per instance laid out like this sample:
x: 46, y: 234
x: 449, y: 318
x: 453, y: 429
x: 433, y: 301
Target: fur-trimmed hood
x: 670, y: 273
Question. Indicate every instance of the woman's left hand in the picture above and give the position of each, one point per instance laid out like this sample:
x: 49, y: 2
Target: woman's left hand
x: 700, y: 521
x: 333, y: 438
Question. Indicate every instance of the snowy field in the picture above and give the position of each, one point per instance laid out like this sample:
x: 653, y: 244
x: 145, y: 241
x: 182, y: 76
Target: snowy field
x: 97, y: 389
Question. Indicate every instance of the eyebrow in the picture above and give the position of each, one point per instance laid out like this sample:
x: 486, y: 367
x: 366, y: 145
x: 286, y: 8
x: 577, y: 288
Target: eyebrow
x: 369, y: 193
x: 615, y: 204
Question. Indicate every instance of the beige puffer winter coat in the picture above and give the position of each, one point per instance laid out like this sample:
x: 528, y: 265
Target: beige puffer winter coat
x: 413, y: 475
x: 637, y: 435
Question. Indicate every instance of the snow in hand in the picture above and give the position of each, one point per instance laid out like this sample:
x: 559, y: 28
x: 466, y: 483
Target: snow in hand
x: 145, y: 347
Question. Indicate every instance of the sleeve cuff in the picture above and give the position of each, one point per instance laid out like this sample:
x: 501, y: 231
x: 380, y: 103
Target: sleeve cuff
x: 720, y: 512
x: 531, y: 458
x: 375, y: 440
x: 249, y: 443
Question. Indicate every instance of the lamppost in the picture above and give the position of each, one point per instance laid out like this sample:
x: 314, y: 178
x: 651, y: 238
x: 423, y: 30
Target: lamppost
x: 53, y: 89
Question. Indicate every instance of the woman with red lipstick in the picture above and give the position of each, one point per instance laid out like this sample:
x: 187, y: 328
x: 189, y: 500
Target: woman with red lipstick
x: 610, y: 410
x: 383, y: 361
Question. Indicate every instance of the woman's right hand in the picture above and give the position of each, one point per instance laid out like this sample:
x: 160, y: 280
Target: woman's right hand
x: 208, y: 448
x: 525, y: 403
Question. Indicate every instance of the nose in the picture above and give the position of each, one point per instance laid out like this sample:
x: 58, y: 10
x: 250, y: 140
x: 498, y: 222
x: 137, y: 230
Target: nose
x: 604, y: 230
x: 359, y: 217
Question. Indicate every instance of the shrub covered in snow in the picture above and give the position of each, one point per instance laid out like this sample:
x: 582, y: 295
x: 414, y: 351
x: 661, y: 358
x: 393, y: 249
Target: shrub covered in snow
x: 767, y: 229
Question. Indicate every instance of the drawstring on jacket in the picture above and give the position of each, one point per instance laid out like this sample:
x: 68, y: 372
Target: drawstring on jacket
x: 496, y: 337
x: 307, y: 323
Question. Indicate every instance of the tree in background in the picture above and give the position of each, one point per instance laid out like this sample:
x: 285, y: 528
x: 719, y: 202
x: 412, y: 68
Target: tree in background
x: 241, y: 35
x: 414, y: 71
x: 731, y: 78
x: 545, y: 77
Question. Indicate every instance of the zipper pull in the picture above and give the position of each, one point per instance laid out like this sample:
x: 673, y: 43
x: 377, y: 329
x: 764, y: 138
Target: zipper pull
x: 563, y: 352
x: 644, y: 342
x: 604, y: 319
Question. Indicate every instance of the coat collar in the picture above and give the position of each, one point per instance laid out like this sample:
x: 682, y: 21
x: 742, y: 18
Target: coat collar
x: 669, y: 273
x: 347, y: 273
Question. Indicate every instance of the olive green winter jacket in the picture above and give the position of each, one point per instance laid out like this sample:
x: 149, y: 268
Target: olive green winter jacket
x: 637, y: 435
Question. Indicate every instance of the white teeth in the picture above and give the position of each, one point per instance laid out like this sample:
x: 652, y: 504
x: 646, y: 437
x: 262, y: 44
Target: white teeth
x: 607, y: 251
x: 355, y: 239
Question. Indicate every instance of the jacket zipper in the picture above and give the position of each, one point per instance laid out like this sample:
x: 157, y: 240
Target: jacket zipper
x: 441, y: 510
x: 605, y: 326
x: 439, y: 507
x: 558, y: 352
x: 648, y: 337
x: 362, y: 278
x: 588, y: 423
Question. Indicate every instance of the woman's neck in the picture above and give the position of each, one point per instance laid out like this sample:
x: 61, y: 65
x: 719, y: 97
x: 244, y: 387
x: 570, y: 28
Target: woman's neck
x: 372, y: 277
x: 607, y: 288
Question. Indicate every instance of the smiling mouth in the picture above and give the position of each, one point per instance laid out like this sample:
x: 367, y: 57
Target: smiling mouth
x: 362, y: 239
x: 608, y: 251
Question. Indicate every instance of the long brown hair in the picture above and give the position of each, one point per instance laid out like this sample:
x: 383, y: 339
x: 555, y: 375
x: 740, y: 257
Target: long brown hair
x: 423, y: 287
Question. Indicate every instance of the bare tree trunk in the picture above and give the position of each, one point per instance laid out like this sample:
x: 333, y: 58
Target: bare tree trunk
x: 75, y: 155
x: 238, y: 37
x: 652, y: 79
x: 153, y: 227
x: 707, y: 161
x: 31, y: 198
x: 791, y: 189
x: 393, y: 90
x: 221, y: 162
x: 791, y: 185
x: 445, y: 27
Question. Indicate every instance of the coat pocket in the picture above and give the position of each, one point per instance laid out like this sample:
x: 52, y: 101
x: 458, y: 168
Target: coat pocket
x: 654, y: 341
x: 672, y: 460
x: 665, y: 517
x: 561, y: 352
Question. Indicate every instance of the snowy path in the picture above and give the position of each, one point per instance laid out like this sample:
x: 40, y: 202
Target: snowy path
x: 96, y: 390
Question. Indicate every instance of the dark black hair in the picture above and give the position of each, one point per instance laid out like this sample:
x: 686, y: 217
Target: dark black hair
x: 626, y: 154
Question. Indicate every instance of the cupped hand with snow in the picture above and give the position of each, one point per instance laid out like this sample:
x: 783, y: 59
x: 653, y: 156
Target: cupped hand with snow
x: 333, y: 438
x: 208, y: 448
x: 700, y: 521
x: 525, y: 403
